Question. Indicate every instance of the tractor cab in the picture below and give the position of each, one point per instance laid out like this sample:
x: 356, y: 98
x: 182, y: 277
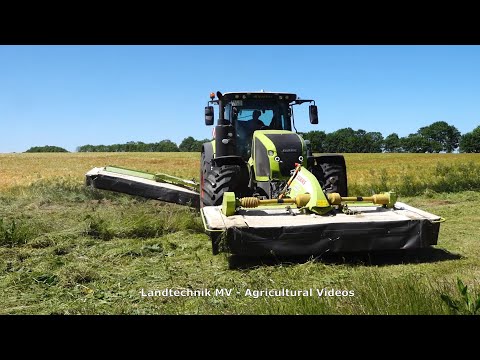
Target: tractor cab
x: 243, y: 113
x: 250, y: 116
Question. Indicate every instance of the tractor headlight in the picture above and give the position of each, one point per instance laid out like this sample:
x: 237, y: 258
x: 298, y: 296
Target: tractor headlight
x: 277, y: 159
x: 300, y: 158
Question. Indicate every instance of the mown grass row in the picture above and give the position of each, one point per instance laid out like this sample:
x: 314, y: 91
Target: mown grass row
x: 97, y: 220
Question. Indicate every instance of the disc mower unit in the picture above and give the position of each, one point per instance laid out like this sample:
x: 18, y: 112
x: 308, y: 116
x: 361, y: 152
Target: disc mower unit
x: 140, y: 183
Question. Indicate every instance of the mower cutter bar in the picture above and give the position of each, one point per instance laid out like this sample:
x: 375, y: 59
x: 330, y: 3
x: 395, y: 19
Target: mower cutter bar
x: 140, y: 183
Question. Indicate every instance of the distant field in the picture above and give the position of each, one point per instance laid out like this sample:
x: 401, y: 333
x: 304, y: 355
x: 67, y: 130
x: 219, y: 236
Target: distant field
x: 409, y: 174
x: 68, y: 249
x: 23, y: 169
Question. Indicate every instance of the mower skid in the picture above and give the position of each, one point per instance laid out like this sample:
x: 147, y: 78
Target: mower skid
x: 141, y: 185
x: 259, y: 232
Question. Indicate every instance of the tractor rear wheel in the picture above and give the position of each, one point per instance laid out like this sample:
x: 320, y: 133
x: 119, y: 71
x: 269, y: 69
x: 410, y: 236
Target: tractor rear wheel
x: 331, y: 172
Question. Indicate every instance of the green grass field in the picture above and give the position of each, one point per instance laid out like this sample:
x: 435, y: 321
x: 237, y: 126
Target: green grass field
x: 67, y: 249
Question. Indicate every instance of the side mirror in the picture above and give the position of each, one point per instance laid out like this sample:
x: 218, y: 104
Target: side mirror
x: 209, y: 115
x: 312, y: 109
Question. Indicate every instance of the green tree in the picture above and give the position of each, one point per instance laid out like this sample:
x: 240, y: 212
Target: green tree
x: 166, y: 146
x: 317, y: 139
x: 367, y: 142
x: 340, y: 141
x: 189, y: 144
x: 442, y: 136
x: 392, y: 143
x: 46, y: 148
x: 360, y: 141
x: 85, y: 148
x: 470, y: 142
x: 416, y: 143
x: 375, y: 140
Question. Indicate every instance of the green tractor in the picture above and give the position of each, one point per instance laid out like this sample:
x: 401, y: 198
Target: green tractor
x: 258, y: 174
x: 254, y: 150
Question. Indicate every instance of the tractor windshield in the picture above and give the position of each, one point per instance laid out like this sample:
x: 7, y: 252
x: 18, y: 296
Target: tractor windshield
x: 258, y: 115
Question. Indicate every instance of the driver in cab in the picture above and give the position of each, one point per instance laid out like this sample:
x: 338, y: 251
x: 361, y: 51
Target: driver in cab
x: 255, y: 123
x: 245, y: 131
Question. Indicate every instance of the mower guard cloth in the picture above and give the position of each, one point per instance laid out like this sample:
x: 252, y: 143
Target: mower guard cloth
x: 275, y: 232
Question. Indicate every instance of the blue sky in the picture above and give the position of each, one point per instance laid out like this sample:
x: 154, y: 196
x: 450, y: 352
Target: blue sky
x: 75, y: 95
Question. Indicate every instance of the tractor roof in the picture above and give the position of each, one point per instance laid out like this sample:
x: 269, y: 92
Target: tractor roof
x: 259, y: 95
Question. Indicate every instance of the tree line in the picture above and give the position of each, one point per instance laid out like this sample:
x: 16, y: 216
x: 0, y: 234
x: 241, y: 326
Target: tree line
x: 189, y: 144
x: 435, y: 138
x: 46, y: 148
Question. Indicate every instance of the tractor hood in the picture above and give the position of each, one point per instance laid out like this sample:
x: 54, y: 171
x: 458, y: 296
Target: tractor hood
x: 275, y: 153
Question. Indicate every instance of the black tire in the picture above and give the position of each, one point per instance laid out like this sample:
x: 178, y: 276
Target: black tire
x: 331, y: 172
x: 217, y: 180
x: 205, y: 166
x: 220, y: 180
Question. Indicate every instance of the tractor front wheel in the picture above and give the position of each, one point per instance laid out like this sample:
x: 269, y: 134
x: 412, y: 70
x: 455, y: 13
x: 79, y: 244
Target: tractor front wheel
x: 215, y: 181
x: 220, y: 180
x: 205, y: 168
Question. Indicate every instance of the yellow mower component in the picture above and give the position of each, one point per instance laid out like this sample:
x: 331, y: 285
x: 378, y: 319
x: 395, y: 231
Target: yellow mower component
x: 387, y: 198
x: 230, y: 203
x: 304, y: 192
